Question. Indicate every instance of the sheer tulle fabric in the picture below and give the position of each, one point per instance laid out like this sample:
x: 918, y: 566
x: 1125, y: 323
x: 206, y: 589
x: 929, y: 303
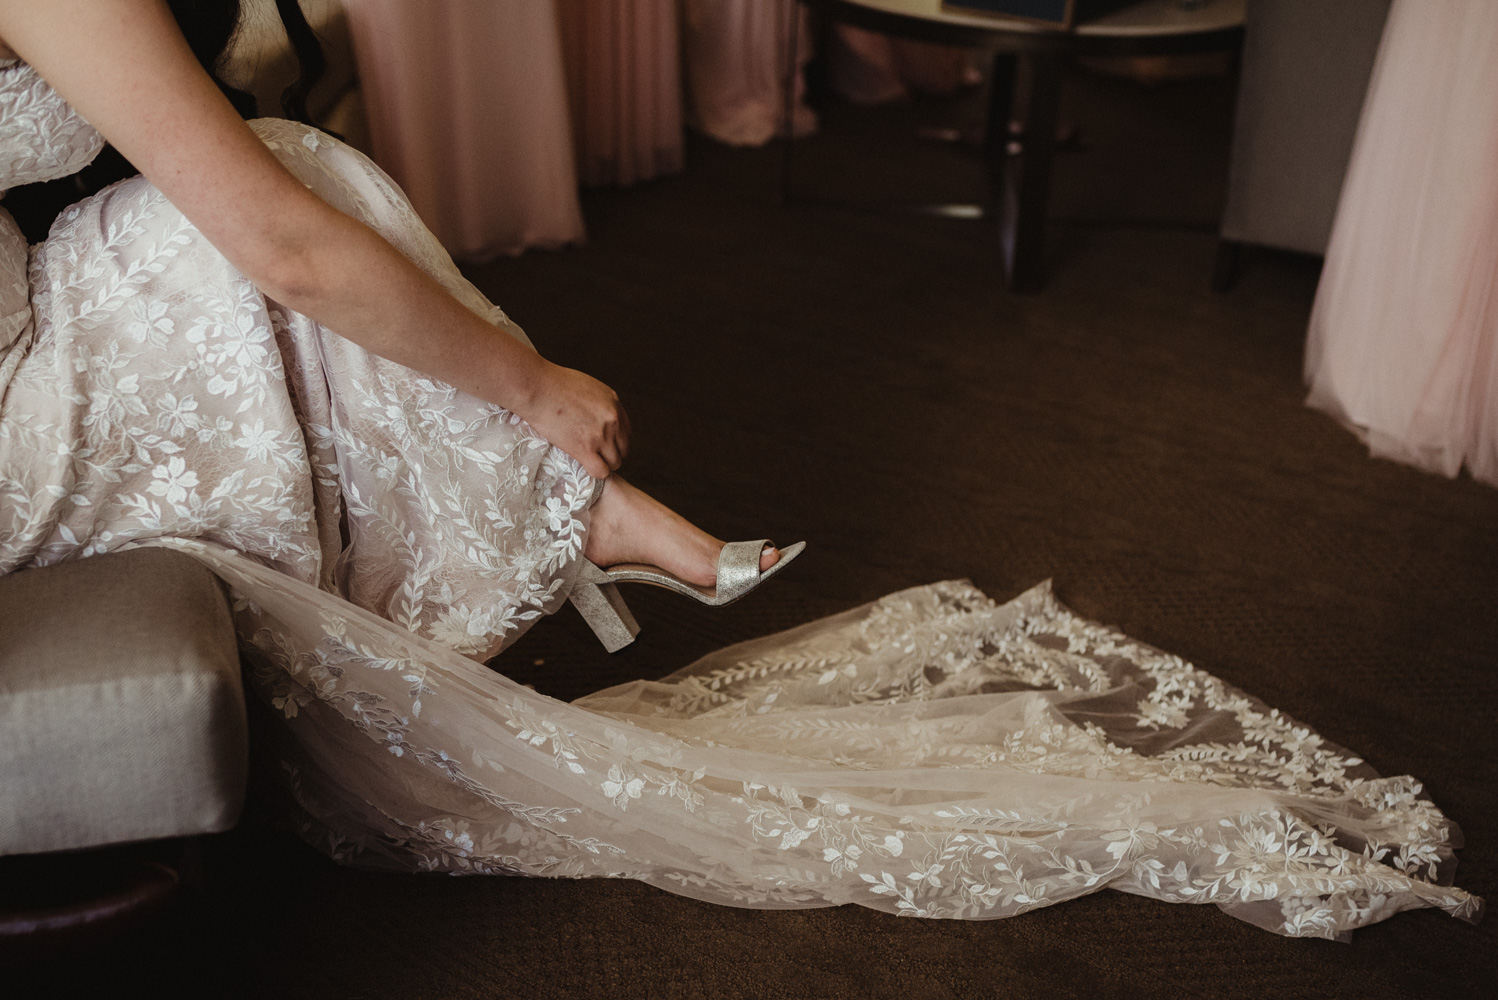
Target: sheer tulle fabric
x: 1403, y: 343
x: 624, y: 84
x: 467, y: 104
x: 930, y: 754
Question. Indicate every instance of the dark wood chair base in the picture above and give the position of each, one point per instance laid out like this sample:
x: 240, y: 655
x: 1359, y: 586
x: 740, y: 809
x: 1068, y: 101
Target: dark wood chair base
x: 56, y: 902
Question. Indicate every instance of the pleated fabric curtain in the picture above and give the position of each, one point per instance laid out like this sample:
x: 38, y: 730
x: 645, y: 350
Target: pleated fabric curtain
x: 468, y: 111
x: 624, y: 87
x: 1403, y: 340
x: 736, y: 68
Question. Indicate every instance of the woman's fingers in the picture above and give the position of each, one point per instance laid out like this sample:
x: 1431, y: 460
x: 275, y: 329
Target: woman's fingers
x: 596, y: 466
x: 623, y: 434
x: 584, y: 417
x: 610, y: 454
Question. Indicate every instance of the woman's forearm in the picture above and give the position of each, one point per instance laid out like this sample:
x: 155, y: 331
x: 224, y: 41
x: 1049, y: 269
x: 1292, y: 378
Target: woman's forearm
x: 346, y: 276
x: 320, y: 262
x: 126, y: 68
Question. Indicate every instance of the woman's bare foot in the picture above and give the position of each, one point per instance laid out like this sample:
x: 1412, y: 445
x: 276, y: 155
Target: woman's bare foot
x: 632, y: 527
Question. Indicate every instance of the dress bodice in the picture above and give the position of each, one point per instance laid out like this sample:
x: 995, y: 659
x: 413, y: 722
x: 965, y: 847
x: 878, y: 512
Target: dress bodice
x: 41, y: 136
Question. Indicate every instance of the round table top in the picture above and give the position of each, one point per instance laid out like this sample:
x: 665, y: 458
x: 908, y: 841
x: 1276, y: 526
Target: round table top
x: 1148, y: 18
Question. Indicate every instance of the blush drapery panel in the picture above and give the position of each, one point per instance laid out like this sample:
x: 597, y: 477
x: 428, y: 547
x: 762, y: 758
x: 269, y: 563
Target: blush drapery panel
x: 736, y: 68
x: 468, y: 111
x: 1403, y: 344
x: 624, y: 84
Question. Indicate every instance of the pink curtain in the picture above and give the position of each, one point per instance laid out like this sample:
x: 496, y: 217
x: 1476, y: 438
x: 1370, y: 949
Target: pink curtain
x: 736, y: 61
x: 1403, y: 342
x: 624, y: 84
x: 468, y: 112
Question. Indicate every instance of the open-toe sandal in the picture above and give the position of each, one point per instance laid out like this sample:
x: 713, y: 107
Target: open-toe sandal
x: 596, y: 593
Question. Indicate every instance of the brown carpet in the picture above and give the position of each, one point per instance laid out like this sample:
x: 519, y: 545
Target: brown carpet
x: 863, y: 381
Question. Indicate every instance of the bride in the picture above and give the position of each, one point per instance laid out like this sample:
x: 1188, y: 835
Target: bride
x: 256, y: 354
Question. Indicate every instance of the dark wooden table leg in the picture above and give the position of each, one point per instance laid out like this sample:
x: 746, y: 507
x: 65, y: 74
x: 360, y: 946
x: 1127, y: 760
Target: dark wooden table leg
x: 788, y: 106
x: 996, y: 138
x: 1225, y: 267
x: 1026, y: 181
x: 1000, y: 110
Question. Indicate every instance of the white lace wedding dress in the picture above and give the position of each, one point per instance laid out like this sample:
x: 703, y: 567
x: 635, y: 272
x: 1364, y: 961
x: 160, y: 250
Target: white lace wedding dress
x: 932, y: 753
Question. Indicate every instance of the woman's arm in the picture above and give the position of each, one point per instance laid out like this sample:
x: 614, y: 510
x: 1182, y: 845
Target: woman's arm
x: 127, y: 69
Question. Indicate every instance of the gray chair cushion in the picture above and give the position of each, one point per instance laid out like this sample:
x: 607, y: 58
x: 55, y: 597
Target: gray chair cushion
x: 121, y: 711
x: 1305, y: 70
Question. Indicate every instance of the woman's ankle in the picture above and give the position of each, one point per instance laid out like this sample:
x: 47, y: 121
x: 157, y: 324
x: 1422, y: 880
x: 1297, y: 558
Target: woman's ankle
x: 629, y: 525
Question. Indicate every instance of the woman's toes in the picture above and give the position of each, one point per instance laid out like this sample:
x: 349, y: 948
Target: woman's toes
x: 769, y: 557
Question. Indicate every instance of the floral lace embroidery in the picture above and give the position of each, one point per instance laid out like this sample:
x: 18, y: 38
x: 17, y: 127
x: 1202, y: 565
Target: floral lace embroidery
x: 996, y: 799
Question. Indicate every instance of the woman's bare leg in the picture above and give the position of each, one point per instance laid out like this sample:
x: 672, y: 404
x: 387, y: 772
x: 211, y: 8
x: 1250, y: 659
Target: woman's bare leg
x: 631, y: 526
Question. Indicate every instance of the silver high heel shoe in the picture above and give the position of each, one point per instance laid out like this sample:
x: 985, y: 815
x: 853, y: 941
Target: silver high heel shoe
x: 596, y: 593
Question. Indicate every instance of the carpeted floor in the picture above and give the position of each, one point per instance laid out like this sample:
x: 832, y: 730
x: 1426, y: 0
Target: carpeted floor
x: 863, y: 381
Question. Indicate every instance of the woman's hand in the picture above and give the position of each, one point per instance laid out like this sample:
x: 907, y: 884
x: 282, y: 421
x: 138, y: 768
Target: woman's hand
x: 580, y: 415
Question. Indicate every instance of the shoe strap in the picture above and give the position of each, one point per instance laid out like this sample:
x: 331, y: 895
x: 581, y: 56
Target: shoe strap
x: 597, y: 493
x: 738, y: 568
